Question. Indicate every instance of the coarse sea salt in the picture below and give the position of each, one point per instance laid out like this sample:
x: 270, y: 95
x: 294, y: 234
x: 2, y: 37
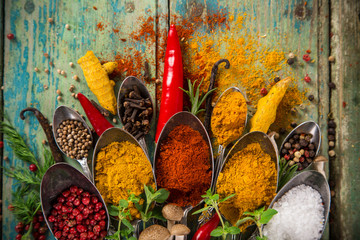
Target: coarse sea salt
x: 300, y: 215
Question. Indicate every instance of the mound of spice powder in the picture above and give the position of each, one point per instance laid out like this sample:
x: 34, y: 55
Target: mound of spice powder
x: 228, y: 117
x: 184, y: 166
x: 251, y: 175
x: 122, y: 167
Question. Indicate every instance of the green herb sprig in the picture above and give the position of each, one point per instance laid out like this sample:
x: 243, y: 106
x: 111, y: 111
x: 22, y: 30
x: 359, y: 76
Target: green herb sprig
x: 195, y: 98
x: 259, y: 217
x: 26, y: 200
x: 151, y: 196
x: 286, y: 172
x: 212, y: 201
x: 123, y: 213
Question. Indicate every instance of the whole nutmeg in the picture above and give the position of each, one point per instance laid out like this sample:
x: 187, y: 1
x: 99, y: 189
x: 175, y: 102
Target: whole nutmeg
x: 155, y: 232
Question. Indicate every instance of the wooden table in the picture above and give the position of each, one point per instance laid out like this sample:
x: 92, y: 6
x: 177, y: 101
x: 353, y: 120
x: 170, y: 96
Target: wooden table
x: 326, y: 27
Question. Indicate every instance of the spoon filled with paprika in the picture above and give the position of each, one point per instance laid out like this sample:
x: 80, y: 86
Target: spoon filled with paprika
x: 183, y: 161
x: 135, y: 108
x: 228, y: 120
x: 73, y: 136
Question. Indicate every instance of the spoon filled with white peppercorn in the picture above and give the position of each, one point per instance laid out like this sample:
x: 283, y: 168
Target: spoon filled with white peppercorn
x: 135, y: 108
x: 73, y: 136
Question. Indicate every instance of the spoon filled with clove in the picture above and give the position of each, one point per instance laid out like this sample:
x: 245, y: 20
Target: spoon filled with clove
x: 135, y: 108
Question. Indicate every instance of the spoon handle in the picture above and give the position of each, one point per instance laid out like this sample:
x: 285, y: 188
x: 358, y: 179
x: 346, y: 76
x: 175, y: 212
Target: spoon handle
x: 85, y: 168
x: 143, y: 145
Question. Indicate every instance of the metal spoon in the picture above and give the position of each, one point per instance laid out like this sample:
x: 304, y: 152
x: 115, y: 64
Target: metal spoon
x: 184, y: 118
x: 117, y: 135
x: 222, y: 148
x: 125, y: 88
x: 266, y: 144
x: 308, y: 127
x: 65, y: 113
x: 59, y: 177
x: 313, y: 179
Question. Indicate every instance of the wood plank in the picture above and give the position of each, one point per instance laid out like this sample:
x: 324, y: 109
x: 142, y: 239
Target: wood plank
x: 28, y: 20
x: 345, y: 72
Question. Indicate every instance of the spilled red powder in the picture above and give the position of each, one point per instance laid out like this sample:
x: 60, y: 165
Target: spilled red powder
x: 100, y: 26
x: 95, y: 8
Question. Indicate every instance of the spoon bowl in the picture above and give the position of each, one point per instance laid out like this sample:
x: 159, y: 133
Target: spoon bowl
x: 61, y: 114
x: 308, y: 127
x: 125, y: 89
x: 59, y: 177
x: 184, y: 118
x: 222, y: 148
x: 313, y: 179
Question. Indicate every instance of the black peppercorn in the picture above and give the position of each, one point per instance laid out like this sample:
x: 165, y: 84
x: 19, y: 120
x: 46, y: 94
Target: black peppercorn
x: 303, y: 143
x: 308, y: 137
x: 305, y: 164
x: 297, y: 146
x: 291, y: 140
x: 293, y: 124
x: 331, y: 124
x: 331, y: 137
x: 309, y: 160
x: 287, y: 145
x: 276, y: 79
x: 290, y: 61
x: 296, y: 137
x: 282, y: 130
x: 312, y: 153
x: 311, y: 97
x: 311, y: 146
x: 332, y: 85
x: 284, y: 151
x: 331, y: 131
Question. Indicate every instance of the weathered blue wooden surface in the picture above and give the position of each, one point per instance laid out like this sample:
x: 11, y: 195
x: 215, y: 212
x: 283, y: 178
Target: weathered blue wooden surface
x: 27, y: 20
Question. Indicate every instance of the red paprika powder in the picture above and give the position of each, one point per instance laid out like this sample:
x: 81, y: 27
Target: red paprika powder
x: 184, y: 166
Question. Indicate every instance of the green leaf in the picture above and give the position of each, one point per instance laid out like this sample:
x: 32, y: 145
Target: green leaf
x: 243, y: 220
x: 113, y: 210
x: 128, y: 225
x: 261, y: 238
x: 215, y: 197
x: 267, y: 215
x: 157, y: 214
x: 217, y: 232
x: 233, y: 230
x: 139, y: 207
x: 123, y: 203
x: 162, y: 196
x: 250, y: 214
x: 132, y: 238
x: 148, y: 193
x: 201, y: 210
x: 116, y: 235
x: 227, y: 198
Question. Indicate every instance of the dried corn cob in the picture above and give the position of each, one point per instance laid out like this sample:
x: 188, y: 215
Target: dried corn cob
x: 97, y: 78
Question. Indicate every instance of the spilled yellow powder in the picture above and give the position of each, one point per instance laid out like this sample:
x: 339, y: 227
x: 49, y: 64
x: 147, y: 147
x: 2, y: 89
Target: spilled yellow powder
x: 253, y: 64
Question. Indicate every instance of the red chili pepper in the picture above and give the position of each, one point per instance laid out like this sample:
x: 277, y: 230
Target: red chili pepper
x: 172, y: 95
x: 97, y: 120
x: 203, y: 233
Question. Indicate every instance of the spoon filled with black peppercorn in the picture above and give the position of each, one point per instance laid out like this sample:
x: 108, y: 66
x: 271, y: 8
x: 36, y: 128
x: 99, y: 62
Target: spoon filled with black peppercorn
x: 302, y: 145
x: 73, y: 136
x: 135, y: 108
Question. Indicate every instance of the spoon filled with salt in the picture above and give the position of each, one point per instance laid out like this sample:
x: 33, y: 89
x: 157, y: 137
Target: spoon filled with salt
x: 73, y: 136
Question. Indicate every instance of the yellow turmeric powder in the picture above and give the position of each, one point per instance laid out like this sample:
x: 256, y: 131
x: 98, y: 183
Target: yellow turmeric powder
x: 228, y: 117
x: 251, y: 175
x: 121, y: 167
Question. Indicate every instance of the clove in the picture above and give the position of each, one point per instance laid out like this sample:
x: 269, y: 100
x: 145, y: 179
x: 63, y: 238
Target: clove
x: 133, y: 105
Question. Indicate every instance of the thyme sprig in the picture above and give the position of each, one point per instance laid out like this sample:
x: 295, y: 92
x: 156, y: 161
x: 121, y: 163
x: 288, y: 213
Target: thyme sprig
x: 286, y: 172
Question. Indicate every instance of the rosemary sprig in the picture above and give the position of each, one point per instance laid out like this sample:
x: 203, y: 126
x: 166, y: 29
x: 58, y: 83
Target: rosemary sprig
x: 17, y: 144
x: 26, y: 203
x: 23, y: 175
x: 286, y: 172
x: 195, y: 99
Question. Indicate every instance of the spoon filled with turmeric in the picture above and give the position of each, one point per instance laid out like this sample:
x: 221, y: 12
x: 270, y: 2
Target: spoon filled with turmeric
x: 228, y: 120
